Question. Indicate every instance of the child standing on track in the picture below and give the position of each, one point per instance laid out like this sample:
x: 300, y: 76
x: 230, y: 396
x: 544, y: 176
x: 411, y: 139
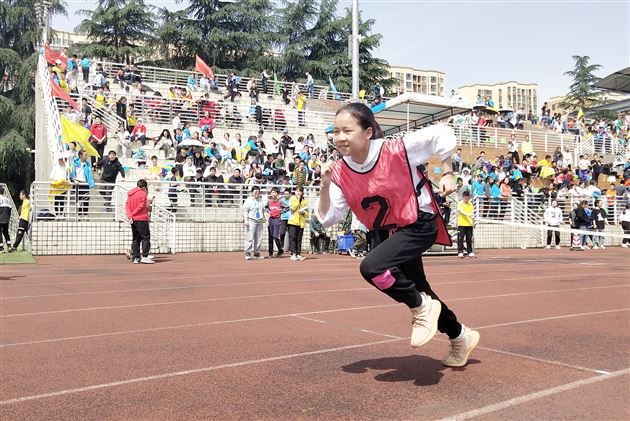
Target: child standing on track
x: 382, y: 181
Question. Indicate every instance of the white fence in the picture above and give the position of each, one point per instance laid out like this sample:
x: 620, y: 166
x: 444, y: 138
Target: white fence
x: 176, y: 77
x: 48, y: 141
x: 82, y: 220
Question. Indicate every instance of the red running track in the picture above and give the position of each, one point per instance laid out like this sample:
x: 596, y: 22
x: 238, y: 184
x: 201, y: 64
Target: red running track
x: 214, y: 337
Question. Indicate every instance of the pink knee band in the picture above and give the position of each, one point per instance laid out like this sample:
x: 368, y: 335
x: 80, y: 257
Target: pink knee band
x: 384, y: 280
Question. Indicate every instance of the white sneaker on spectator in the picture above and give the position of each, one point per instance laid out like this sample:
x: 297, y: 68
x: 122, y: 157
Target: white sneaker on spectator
x: 424, y: 320
x: 471, y: 255
x: 136, y: 261
x: 294, y: 257
x: 624, y: 245
x: 548, y: 247
x: 248, y: 257
x: 146, y: 261
x: 558, y: 247
x: 300, y: 257
x: 259, y: 257
x: 595, y: 248
x: 460, y: 255
x: 602, y: 247
x: 461, y: 347
x: 352, y: 253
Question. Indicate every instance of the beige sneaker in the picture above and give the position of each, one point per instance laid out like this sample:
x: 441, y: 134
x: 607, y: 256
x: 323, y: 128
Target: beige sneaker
x: 424, y: 320
x: 460, y: 349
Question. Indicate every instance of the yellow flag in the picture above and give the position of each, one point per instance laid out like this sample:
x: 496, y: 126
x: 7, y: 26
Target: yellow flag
x: 580, y: 114
x: 73, y: 132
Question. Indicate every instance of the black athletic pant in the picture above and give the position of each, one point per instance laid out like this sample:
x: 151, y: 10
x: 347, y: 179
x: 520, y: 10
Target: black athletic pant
x: 274, y: 235
x: 4, y: 231
x: 22, y: 228
x: 82, y: 194
x: 464, y: 233
x: 295, y: 239
x: 626, y: 230
x: 400, y: 257
x: 140, y: 234
x: 59, y: 202
x: 550, y: 232
x: 318, y: 240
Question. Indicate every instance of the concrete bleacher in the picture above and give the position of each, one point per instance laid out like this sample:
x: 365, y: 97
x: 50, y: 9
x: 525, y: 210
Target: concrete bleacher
x: 318, y: 115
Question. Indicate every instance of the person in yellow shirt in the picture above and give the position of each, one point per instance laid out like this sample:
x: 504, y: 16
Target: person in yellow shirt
x: 298, y: 207
x: 301, y: 99
x: 465, y: 223
x: 526, y: 147
x: 25, y: 214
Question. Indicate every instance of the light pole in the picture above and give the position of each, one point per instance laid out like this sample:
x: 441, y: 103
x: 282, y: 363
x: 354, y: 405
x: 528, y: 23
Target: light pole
x: 355, y: 50
x: 42, y: 11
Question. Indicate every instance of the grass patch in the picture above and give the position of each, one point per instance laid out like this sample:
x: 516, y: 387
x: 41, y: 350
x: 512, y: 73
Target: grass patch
x: 16, y: 258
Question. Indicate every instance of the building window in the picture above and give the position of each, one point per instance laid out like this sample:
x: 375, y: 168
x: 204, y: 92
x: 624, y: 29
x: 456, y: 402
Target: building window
x: 433, y: 79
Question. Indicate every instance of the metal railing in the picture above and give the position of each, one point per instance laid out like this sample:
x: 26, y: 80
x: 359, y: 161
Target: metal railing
x: 163, y: 223
x: 174, y: 77
x: 77, y: 219
x: 51, y: 118
x: 159, y: 110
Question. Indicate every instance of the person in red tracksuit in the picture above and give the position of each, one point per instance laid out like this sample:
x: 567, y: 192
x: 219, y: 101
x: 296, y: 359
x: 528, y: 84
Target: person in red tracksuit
x: 383, y: 182
x: 138, y: 207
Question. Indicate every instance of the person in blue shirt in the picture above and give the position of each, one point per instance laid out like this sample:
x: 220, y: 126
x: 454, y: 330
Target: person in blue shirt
x: 477, y: 186
x: 81, y: 176
x: 516, y: 174
x: 284, y: 216
x: 192, y: 83
x: 186, y: 130
x: 495, y: 201
x: 85, y: 68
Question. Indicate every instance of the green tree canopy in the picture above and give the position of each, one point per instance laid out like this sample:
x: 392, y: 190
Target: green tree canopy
x: 582, y: 93
x: 118, y: 29
x: 20, y: 31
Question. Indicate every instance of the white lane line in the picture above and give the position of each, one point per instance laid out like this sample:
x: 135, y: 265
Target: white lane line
x: 187, y: 326
x: 292, y: 293
x: 358, y: 277
x: 134, y: 279
x: 120, y: 291
x: 539, y: 292
x: 262, y: 360
x: 498, y: 351
x: 543, y: 319
x: 535, y: 395
x: 327, y: 268
x: 206, y: 300
x: 188, y: 372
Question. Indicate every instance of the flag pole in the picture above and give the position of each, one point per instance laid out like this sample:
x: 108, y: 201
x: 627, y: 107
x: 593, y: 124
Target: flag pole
x: 355, y: 50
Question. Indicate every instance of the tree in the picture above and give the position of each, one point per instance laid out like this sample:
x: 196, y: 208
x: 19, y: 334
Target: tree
x: 173, y: 38
x: 296, y: 38
x: 20, y: 31
x: 316, y: 40
x: 118, y: 29
x: 234, y: 34
x: 582, y: 94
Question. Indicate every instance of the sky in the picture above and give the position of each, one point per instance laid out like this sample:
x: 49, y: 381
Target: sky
x: 486, y: 41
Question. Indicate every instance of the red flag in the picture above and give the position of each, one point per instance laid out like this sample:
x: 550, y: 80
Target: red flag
x: 202, y: 67
x: 56, y: 91
x: 53, y: 55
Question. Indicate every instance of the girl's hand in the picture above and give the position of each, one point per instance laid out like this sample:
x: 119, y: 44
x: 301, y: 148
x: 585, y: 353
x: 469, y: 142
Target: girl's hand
x: 326, y: 174
x: 447, y: 185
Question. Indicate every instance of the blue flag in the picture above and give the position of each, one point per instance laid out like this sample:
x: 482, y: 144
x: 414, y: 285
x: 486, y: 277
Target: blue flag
x: 333, y: 88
